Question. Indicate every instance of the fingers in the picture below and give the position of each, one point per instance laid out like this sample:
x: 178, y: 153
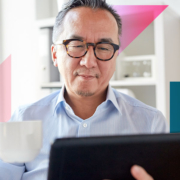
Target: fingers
x: 139, y: 173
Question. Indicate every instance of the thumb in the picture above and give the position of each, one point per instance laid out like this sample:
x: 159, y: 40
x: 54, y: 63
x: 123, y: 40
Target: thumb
x: 139, y: 173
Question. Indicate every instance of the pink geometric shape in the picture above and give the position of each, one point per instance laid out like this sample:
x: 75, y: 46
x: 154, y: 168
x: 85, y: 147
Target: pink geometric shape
x: 135, y: 18
x: 5, y: 90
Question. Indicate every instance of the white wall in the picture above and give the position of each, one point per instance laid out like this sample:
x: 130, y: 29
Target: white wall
x: 25, y: 84
x: 46, y: 8
x: 6, y: 28
x: 20, y: 39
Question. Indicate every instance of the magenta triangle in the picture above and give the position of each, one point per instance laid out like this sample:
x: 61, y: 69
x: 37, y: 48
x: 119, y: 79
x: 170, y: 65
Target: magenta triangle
x: 135, y: 18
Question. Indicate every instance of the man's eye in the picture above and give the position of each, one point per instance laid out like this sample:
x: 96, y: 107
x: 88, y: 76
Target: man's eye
x: 80, y: 46
x: 103, y: 49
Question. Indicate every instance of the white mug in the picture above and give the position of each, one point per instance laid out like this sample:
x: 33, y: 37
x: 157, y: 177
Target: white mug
x: 20, y: 141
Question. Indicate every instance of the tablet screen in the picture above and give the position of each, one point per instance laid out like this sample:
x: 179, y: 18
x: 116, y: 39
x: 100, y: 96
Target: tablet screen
x: 111, y: 157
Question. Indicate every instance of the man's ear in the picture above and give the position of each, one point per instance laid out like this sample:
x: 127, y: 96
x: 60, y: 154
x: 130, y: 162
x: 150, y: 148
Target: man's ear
x: 54, y: 55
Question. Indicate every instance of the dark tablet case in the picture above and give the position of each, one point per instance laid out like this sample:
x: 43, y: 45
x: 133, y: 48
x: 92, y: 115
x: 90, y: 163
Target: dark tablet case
x: 111, y: 157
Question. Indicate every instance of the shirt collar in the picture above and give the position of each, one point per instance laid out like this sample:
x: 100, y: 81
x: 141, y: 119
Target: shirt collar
x: 60, y: 98
x: 110, y: 97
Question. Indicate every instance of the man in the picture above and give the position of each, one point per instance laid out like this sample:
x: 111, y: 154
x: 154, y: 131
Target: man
x: 86, y: 43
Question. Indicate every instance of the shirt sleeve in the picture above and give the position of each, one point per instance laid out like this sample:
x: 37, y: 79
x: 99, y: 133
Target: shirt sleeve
x: 12, y: 171
x: 159, y: 124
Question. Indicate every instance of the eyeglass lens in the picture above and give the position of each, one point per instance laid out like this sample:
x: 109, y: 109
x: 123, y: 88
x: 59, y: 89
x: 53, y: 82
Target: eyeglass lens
x: 78, y: 49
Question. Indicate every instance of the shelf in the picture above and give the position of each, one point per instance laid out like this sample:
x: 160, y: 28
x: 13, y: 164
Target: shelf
x: 45, y: 23
x: 146, y: 63
x: 52, y: 85
x: 135, y: 82
x: 139, y: 58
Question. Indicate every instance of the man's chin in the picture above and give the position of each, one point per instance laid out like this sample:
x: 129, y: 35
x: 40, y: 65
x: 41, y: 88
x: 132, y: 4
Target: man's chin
x: 84, y: 93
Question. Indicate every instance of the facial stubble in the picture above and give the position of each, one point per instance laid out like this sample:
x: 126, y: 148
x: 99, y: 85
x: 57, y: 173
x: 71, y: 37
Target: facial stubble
x: 85, y: 93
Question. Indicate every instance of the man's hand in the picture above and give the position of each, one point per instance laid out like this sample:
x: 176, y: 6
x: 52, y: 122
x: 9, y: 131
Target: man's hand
x: 139, y: 173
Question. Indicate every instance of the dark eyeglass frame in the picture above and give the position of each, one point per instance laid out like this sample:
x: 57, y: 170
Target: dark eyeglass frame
x: 66, y: 42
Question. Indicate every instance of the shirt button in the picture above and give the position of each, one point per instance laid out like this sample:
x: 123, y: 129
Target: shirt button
x: 85, y: 125
x: 68, y: 108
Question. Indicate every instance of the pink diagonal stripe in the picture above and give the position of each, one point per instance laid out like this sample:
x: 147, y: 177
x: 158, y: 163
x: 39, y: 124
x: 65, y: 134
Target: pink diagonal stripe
x: 135, y: 18
x: 5, y: 90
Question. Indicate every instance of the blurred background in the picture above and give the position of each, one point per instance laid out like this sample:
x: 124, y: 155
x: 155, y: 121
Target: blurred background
x: 144, y: 68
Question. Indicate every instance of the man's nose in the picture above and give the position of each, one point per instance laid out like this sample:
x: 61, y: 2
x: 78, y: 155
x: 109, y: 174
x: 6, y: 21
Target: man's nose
x: 89, y: 60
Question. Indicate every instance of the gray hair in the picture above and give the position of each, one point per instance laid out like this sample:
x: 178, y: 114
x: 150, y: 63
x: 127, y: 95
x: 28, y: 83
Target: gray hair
x: 94, y: 4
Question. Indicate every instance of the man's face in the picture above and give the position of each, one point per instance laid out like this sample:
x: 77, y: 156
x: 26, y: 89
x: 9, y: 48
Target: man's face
x: 86, y: 76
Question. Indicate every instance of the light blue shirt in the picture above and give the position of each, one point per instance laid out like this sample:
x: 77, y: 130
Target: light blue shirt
x: 118, y: 115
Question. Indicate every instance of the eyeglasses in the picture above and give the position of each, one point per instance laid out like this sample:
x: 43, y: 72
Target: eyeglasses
x: 77, y: 48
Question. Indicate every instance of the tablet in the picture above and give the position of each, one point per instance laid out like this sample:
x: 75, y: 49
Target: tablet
x: 111, y: 157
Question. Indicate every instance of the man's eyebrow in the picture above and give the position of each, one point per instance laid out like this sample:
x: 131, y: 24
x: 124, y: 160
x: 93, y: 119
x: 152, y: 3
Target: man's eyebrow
x: 76, y: 37
x: 105, y: 40
x: 99, y: 40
